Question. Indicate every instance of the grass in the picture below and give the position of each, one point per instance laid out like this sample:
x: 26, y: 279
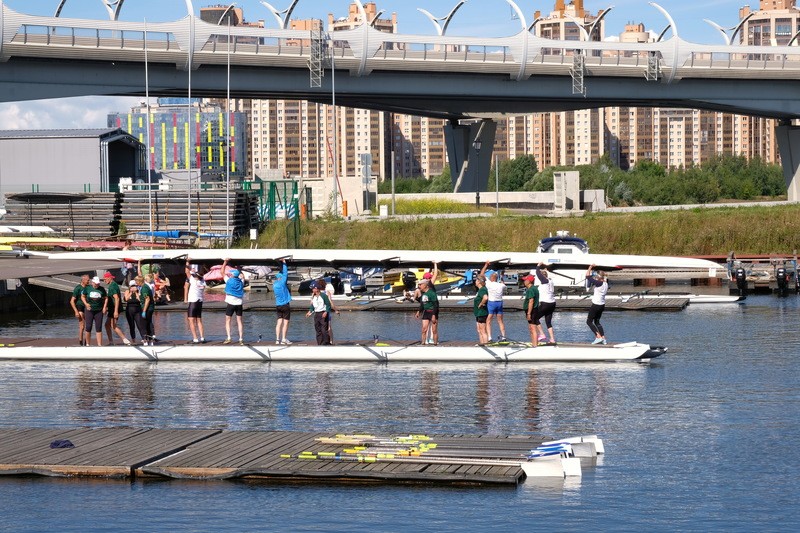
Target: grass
x: 431, y: 205
x: 745, y: 230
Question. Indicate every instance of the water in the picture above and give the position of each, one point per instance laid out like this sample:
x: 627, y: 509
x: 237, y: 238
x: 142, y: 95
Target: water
x: 702, y: 439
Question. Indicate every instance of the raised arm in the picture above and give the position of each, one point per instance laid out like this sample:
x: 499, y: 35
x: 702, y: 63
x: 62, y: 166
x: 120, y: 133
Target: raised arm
x: 483, y: 270
x: 435, y: 273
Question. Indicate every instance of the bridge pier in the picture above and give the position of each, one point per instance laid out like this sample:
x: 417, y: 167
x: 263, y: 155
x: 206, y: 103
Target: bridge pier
x: 470, y: 147
x: 788, y: 137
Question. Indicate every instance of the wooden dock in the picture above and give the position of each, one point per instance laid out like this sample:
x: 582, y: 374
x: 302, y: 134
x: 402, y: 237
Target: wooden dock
x: 276, y: 456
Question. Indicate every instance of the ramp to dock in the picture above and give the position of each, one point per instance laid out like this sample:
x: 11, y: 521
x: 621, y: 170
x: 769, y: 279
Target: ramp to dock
x: 207, y: 454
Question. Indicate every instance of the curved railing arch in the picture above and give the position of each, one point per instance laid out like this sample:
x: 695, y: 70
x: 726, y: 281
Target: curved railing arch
x: 441, y: 29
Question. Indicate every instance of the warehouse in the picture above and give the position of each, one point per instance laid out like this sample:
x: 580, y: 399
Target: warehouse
x: 68, y: 161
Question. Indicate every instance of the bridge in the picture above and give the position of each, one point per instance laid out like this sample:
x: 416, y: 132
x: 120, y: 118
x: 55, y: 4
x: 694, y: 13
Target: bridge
x: 442, y: 76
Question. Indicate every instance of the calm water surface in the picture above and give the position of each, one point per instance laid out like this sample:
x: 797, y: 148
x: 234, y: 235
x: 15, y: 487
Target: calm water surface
x: 702, y: 439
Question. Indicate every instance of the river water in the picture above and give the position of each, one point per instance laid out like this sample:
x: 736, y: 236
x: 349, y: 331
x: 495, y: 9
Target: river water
x: 700, y: 439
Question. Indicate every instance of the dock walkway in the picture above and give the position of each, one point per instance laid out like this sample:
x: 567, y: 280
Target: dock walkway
x: 282, y: 456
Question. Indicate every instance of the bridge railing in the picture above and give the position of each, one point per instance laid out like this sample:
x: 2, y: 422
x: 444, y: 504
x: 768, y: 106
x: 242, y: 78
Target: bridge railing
x: 247, y: 46
x: 94, y: 38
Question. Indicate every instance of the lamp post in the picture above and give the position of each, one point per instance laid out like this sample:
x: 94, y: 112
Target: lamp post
x: 497, y: 182
x: 392, y: 182
x: 476, y: 144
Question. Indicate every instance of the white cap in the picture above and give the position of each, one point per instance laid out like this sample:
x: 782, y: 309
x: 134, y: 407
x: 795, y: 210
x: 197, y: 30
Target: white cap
x: 95, y: 280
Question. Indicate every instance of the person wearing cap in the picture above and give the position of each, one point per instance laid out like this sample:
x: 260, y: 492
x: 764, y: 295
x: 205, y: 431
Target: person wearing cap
x: 282, y: 299
x: 547, y: 302
x: 529, y: 305
x: 496, y: 289
x: 95, y: 302
x: 234, y: 298
x: 114, y: 304
x: 321, y: 308
x: 599, y: 284
x: 431, y: 276
x: 76, y: 302
x: 479, y: 309
x: 429, y: 305
x: 194, y: 296
x: 133, y: 311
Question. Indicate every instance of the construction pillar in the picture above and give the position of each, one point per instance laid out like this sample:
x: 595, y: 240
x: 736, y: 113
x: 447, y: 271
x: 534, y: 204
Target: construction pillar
x: 788, y: 137
x: 469, y: 148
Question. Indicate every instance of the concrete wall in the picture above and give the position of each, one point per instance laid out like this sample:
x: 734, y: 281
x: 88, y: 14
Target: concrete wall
x: 352, y: 191
x: 54, y: 164
x: 591, y: 200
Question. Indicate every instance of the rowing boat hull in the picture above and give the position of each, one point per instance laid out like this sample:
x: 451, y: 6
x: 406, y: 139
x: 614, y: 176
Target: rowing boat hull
x: 399, y: 258
x: 511, y: 353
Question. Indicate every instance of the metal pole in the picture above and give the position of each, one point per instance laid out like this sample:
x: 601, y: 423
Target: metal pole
x: 497, y: 182
x: 149, y: 140
x: 392, y: 182
x: 335, y: 133
x: 228, y: 231
x: 189, y: 130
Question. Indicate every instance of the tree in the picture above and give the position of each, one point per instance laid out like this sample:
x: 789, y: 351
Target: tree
x: 514, y: 173
x: 442, y: 182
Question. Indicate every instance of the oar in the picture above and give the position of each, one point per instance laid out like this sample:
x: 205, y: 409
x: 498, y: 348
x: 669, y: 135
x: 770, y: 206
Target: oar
x: 415, y: 460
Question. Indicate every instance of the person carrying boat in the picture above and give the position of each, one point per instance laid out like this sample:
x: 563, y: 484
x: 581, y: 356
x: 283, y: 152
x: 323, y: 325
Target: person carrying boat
x: 547, y: 303
x: 234, y: 298
x: 133, y: 311
x: 428, y: 309
x: 95, y: 302
x: 496, y: 289
x: 194, y: 297
x: 149, y: 284
x: 479, y: 309
x: 148, y: 304
x: 328, y: 290
x: 321, y: 309
x: 114, y: 304
x: 530, y: 305
x: 76, y: 302
x: 599, y: 283
x: 282, y: 299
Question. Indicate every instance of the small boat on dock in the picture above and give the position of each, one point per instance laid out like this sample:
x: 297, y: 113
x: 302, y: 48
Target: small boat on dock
x: 372, y: 351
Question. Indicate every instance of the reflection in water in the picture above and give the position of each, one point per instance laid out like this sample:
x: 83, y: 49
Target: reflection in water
x: 113, y: 395
x: 430, y: 394
x: 532, y: 402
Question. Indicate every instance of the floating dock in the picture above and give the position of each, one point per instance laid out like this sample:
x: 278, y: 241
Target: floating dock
x: 367, y: 351
x: 288, y: 456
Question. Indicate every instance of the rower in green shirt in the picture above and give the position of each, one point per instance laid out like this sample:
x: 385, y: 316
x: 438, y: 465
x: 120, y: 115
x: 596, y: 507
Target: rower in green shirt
x: 114, y: 307
x: 429, y: 307
x: 479, y: 309
x: 530, y: 305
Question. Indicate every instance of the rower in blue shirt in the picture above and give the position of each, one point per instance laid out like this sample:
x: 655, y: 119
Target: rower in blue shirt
x: 282, y: 299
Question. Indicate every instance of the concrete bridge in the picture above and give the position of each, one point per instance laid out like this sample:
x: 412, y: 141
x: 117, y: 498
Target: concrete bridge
x: 430, y: 75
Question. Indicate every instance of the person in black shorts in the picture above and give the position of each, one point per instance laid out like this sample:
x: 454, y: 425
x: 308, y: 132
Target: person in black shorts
x: 95, y: 302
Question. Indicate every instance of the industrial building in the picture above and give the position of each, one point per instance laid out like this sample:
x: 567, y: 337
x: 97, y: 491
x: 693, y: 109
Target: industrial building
x: 68, y: 161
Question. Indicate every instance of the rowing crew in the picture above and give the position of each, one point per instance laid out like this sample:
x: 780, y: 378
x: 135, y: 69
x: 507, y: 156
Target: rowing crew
x: 539, y: 303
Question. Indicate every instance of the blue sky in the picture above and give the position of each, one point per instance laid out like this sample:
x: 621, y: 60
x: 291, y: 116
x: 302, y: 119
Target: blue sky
x: 476, y: 17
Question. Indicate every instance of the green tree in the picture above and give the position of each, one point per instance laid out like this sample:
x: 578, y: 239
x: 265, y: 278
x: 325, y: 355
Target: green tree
x: 441, y: 183
x: 513, y: 174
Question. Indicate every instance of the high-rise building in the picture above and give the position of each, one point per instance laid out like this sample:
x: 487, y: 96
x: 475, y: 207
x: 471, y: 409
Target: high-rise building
x: 181, y: 136
x: 673, y: 137
x: 775, y: 23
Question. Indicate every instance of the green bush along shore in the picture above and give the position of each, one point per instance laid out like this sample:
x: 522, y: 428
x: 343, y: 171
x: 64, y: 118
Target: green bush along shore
x: 717, y: 231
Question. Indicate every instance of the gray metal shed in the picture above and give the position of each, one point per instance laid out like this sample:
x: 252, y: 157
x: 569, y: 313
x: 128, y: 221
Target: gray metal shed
x: 75, y: 161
